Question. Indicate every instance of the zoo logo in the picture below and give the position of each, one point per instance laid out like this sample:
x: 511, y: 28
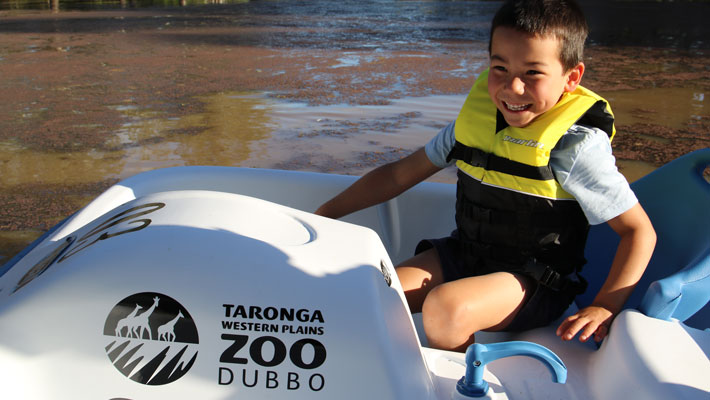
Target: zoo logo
x: 153, y: 338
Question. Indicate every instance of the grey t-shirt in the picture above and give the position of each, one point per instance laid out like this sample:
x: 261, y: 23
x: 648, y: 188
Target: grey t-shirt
x: 582, y: 163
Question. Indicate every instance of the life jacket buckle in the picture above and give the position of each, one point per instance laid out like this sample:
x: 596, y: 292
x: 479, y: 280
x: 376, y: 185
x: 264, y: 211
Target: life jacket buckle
x: 544, y: 274
x: 476, y: 157
x: 550, y: 278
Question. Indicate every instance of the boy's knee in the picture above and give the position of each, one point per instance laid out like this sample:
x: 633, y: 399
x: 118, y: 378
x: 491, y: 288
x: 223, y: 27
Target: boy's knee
x: 438, y: 302
x: 443, y: 310
x: 443, y: 320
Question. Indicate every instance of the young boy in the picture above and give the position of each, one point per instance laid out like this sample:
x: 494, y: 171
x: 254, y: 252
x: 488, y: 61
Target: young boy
x: 535, y: 169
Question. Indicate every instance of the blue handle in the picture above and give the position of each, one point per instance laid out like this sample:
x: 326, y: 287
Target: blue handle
x: 478, y: 355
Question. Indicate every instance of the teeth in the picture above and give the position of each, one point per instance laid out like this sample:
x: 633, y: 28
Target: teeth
x: 516, y: 107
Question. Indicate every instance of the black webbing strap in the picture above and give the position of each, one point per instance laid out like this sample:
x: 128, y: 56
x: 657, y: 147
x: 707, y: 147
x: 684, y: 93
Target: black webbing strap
x: 540, y: 272
x: 547, y: 276
x: 480, y: 214
x: 479, y: 158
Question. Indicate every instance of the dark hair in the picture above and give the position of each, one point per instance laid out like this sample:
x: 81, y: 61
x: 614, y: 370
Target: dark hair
x: 562, y: 18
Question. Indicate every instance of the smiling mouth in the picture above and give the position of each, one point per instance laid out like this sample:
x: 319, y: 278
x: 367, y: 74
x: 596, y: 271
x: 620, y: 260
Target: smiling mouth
x: 517, y: 107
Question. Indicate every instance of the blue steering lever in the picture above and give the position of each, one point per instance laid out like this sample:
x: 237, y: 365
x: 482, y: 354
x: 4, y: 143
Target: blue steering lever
x: 478, y: 355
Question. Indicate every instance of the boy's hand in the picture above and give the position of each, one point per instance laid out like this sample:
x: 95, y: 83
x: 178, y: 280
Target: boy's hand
x: 591, y: 320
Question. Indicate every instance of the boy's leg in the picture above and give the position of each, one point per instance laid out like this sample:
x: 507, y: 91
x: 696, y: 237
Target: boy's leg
x: 418, y: 275
x: 454, y: 311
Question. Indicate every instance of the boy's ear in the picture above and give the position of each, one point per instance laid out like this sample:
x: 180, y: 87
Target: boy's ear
x: 574, y: 76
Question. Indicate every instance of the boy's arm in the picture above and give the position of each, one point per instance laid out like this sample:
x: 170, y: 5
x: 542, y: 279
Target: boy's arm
x: 380, y: 184
x: 638, y: 240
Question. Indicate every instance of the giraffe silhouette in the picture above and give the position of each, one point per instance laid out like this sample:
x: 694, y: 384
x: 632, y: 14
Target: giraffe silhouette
x: 167, y: 331
x: 123, y: 323
x: 140, y: 323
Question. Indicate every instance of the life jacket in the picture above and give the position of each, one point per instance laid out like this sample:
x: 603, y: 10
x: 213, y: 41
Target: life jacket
x: 511, y: 213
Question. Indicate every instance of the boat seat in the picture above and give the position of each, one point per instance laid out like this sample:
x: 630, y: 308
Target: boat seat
x: 681, y: 295
x: 676, y: 284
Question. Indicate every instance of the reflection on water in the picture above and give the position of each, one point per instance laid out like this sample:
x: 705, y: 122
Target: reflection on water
x: 671, y: 107
x: 254, y: 130
x: 349, y: 139
x: 23, y: 165
x: 227, y: 132
x: 249, y: 129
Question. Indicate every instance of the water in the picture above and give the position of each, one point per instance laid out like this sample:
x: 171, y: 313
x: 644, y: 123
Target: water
x: 96, y: 91
x: 679, y: 24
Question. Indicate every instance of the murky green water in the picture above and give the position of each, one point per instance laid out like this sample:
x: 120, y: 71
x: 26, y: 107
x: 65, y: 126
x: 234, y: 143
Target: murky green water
x: 671, y: 107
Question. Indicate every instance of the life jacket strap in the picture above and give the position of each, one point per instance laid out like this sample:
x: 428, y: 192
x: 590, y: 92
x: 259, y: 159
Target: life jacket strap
x: 491, y: 162
x: 485, y: 215
x: 547, y: 276
x: 542, y: 273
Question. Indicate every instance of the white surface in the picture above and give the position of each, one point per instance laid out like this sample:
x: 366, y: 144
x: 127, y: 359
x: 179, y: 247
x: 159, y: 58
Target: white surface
x: 208, y: 247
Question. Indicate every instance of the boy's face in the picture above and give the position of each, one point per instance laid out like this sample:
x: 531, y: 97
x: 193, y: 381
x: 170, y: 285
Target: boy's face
x: 526, y: 75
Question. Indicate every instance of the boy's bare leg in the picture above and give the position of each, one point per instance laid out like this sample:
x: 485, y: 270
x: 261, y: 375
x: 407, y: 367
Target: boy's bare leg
x: 418, y: 275
x: 454, y: 311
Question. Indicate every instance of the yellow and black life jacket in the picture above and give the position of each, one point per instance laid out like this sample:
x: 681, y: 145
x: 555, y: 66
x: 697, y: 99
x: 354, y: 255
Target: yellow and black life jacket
x: 510, y: 210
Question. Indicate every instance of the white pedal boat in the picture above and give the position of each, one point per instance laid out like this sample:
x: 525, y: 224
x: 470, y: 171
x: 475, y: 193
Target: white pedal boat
x: 218, y: 283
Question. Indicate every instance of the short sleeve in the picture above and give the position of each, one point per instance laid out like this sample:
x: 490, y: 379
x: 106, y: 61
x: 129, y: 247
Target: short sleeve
x: 585, y: 167
x: 438, y: 148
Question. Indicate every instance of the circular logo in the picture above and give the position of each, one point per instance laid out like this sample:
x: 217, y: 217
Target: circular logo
x: 153, y: 339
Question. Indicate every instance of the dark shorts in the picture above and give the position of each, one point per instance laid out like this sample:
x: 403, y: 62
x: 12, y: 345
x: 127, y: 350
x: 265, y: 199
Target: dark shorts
x: 541, y: 307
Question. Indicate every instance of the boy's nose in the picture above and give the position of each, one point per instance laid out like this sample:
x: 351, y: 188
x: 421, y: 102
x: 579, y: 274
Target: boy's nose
x: 516, y: 85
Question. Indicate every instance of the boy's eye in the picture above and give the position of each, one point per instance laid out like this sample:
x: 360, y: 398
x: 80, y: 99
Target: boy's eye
x: 534, y: 72
x: 498, y: 68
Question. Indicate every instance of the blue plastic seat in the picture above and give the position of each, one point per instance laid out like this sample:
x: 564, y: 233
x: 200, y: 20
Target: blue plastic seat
x: 676, y: 283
